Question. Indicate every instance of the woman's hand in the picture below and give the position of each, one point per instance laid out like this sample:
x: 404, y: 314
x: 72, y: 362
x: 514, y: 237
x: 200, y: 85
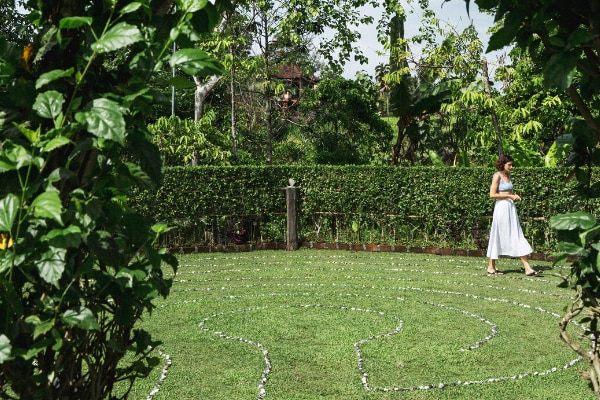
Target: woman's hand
x: 515, y: 197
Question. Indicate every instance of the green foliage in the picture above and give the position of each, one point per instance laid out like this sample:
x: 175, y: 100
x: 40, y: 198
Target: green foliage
x: 387, y: 205
x: 300, y: 18
x: 459, y: 131
x: 13, y: 23
x: 188, y: 142
x: 80, y: 266
x: 346, y: 127
x: 414, y: 102
x: 417, y: 97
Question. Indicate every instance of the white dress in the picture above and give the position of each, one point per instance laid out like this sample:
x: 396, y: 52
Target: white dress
x: 506, y: 235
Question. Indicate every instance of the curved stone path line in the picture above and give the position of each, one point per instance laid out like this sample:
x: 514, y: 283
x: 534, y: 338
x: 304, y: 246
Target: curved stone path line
x: 494, y: 327
x: 363, y: 372
x: 387, y: 264
x: 455, y: 283
x: 366, y: 386
x: 163, y: 375
x: 264, y: 376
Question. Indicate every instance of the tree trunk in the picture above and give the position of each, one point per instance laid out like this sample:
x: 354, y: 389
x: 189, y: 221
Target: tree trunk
x: 234, y: 149
x: 268, y: 108
x: 584, y: 110
x: 488, y: 92
x: 591, y: 356
x: 402, y: 124
x: 202, y: 91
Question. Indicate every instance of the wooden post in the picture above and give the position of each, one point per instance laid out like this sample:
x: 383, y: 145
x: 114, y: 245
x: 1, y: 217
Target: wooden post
x: 291, y: 197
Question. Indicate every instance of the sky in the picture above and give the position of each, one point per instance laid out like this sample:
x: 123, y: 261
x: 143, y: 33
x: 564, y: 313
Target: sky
x: 453, y: 13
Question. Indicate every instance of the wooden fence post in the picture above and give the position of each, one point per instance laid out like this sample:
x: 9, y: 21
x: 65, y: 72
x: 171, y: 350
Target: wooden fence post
x: 291, y: 197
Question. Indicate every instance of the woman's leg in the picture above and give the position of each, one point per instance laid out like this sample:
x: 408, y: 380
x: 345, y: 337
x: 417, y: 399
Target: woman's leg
x: 492, y: 267
x: 527, y: 267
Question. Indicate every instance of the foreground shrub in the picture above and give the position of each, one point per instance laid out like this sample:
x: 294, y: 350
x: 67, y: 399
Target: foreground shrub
x: 78, y: 266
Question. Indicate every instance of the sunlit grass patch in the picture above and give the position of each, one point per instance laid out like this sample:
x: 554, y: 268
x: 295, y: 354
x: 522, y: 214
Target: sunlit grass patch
x: 347, y: 325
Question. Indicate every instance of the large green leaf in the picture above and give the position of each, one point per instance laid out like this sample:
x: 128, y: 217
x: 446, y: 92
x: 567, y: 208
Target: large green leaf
x: 206, y: 20
x: 20, y: 155
x: 34, y: 349
x: 104, y: 119
x: 191, y: 6
x: 131, y: 7
x: 570, y: 221
x: 52, y: 265
x: 6, y: 164
x: 51, y: 76
x: 502, y: 37
x: 6, y: 70
x: 83, y: 318
x: 32, y: 136
x: 560, y: 70
x: 55, y: 143
x: 47, y: 205
x: 149, y: 156
x: 180, y: 82
x: 42, y: 328
x: 196, y: 62
x: 118, y: 37
x: 71, y: 23
x: 49, y: 104
x: 6, y: 261
x: 124, y: 278
x: 74, y: 22
x: 572, y: 249
x: 9, y: 206
x: 67, y: 237
x: 5, y: 349
x: 160, y: 228
x: 134, y: 173
x: 580, y: 36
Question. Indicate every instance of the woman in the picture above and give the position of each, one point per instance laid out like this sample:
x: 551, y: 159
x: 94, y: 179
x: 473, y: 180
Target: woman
x: 506, y: 235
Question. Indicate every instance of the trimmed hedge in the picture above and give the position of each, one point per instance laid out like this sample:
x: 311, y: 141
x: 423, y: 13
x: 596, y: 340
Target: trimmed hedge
x: 353, y: 204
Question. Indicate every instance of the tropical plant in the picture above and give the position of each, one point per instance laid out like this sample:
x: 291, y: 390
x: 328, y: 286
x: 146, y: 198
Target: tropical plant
x: 457, y: 59
x: 187, y: 142
x: 78, y: 265
x: 413, y: 99
x: 345, y: 126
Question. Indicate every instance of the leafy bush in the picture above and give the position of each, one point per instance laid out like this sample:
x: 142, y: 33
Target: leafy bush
x: 78, y: 265
x: 188, y: 142
x: 360, y: 204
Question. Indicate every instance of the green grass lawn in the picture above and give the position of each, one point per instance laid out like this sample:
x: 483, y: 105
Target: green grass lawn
x: 356, y: 325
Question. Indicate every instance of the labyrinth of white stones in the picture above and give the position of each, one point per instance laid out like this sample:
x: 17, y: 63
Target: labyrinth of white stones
x: 311, y: 324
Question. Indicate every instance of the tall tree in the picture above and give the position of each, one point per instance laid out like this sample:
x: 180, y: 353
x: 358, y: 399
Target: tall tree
x: 412, y: 98
x: 448, y: 55
x: 344, y: 125
x: 14, y: 25
x: 279, y: 27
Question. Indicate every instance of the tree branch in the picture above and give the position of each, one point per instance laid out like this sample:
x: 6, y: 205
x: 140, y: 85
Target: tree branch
x: 584, y: 110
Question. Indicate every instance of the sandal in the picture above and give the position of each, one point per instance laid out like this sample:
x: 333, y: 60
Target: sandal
x: 534, y: 273
x: 495, y: 272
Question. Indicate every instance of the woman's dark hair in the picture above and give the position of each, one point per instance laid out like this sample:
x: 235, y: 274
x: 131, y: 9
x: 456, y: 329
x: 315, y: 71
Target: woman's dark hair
x: 503, y: 159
